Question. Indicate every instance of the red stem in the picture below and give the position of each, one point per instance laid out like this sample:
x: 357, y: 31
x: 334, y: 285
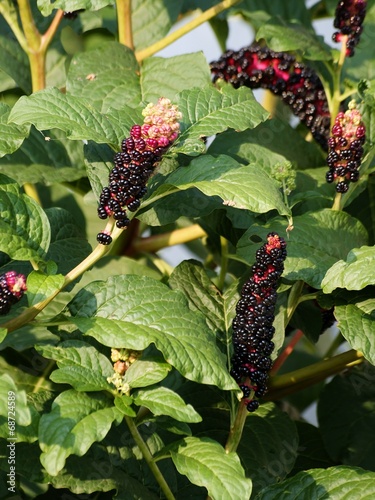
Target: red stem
x: 286, y: 352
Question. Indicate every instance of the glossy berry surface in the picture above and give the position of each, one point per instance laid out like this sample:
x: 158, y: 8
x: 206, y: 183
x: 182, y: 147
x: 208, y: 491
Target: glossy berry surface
x: 349, y: 17
x: 12, y: 288
x: 252, y: 328
x: 135, y: 163
x: 298, y: 86
x: 346, y: 148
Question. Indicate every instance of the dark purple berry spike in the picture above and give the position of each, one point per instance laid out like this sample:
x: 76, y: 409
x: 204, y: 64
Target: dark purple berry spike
x: 133, y: 166
x: 252, y: 326
x: 349, y: 17
x: 12, y: 288
x: 346, y: 148
x: 298, y: 85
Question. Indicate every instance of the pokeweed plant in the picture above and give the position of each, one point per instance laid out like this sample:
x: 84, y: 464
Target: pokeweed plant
x: 125, y: 377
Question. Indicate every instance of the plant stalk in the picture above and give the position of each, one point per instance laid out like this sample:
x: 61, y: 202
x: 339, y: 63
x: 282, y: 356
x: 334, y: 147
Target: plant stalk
x: 236, y: 430
x: 283, y: 385
x: 172, y: 37
x: 148, y: 458
x: 124, y: 23
x: 157, y: 242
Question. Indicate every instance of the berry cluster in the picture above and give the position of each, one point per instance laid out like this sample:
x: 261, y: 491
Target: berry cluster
x: 298, y: 85
x: 346, y: 148
x: 349, y: 17
x: 133, y: 166
x: 252, y: 325
x: 12, y: 288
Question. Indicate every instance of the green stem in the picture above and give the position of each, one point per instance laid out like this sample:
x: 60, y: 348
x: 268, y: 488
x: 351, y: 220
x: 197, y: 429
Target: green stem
x: 293, y: 300
x: 337, y: 201
x: 283, y: 385
x: 205, y: 16
x: 336, y: 96
x: 148, y: 458
x: 44, y: 376
x: 30, y: 313
x: 224, y: 263
x: 176, y: 237
x: 236, y: 430
x: 10, y: 15
x: 124, y: 22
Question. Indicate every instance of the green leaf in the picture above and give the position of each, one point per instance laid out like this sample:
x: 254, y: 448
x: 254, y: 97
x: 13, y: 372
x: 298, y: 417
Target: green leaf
x: 260, y: 11
x: 334, y: 483
x: 68, y: 243
x: 191, y: 278
x: 107, y: 76
x: 358, y: 327
x: 11, y: 136
x: 40, y: 286
x: 25, y: 231
x: 152, y: 21
x: 269, y: 437
x: 245, y: 187
x: 282, y: 36
x: 271, y: 142
x: 14, y: 400
x: 164, y: 401
x: 75, y: 422
x: 207, y: 111
x: 14, y: 62
x: 134, y: 311
x: 317, y: 241
x: 80, y: 365
x: 182, y: 70
x: 45, y: 161
x: 46, y: 6
x: 123, y: 404
x: 352, y: 397
x: 207, y: 464
x: 353, y: 274
x: 146, y: 371
x: 75, y: 116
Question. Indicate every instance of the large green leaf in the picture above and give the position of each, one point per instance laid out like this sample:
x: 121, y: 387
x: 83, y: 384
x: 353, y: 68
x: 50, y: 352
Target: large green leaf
x: 357, y: 324
x: 45, y: 161
x: 207, y: 464
x: 207, y: 111
x: 14, y: 62
x: 317, y: 241
x: 108, y: 76
x: 13, y: 400
x: 11, y: 135
x: 68, y: 243
x: 133, y: 312
x: 245, y: 187
x: 80, y: 365
x: 164, y: 401
x: 151, y: 21
x: 282, y: 36
x: 40, y: 286
x: 25, y: 230
x: 75, y: 422
x: 51, y: 108
x: 184, y: 72
x: 347, y: 439
x: 146, y: 371
x: 354, y: 273
x: 334, y: 483
x: 260, y: 11
x: 271, y: 142
x: 46, y: 6
x: 268, y: 447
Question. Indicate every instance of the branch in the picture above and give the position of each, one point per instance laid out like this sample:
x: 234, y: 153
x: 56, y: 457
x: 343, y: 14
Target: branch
x: 124, y: 23
x: 157, y: 242
x: 172, y: 37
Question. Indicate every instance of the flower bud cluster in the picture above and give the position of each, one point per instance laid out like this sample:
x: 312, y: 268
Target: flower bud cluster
x: 12, y: 288
x: 346, y: 148
x: 133, y: 166
x: 252, y: 325
x: 122, y: 360
x: 349, y: 17
x: 299, y: 86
